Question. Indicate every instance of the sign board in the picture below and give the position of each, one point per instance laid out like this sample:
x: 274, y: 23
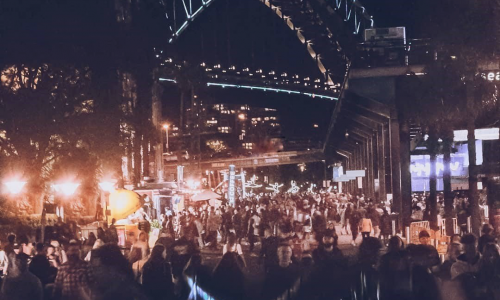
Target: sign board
x: 491, y: 75
x: 232, y: 185
x: 360, y: 182
x: 391, y: 33
x: 355, y: 173
x: 338, y: 172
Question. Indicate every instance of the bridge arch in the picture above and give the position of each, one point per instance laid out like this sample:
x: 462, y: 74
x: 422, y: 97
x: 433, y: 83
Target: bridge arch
x: 328, y: 28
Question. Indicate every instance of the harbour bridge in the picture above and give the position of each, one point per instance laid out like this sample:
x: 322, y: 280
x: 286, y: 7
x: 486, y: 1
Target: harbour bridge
x: 365, y: 132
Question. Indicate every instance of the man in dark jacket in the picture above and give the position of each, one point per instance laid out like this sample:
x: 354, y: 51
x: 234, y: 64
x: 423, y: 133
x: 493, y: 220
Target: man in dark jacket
x: 487, y: 237
x: 268, y: 251
x: 40, y: 265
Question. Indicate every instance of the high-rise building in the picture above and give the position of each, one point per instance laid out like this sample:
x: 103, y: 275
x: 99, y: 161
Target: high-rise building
x: 229, y: 130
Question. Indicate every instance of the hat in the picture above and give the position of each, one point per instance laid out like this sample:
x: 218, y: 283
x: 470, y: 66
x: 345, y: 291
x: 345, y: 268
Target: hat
x: 423, y: 233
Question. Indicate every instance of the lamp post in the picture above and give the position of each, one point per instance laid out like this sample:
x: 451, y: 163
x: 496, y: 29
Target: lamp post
x: 166, y: 128
x: 14, y: 187
x: 107, y: 187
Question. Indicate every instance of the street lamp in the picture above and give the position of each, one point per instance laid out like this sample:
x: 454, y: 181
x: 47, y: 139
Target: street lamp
x: 107, y: 187
x: 166, y: 128
x: 14, y: 187
x: 67, y: 189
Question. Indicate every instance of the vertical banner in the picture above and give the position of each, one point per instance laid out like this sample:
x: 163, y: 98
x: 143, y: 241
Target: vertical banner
x: 232, y: 185
x: 180, y: 175
x: 360, y: 182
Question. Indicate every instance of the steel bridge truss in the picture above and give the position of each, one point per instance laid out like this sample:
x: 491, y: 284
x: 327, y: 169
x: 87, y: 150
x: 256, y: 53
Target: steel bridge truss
x: 328, y: 28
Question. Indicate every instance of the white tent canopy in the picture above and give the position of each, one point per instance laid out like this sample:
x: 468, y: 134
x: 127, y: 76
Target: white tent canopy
x: 206, y: 195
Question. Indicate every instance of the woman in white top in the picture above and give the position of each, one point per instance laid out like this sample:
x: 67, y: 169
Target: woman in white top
x: 233, y: 246
x: 138, y: 257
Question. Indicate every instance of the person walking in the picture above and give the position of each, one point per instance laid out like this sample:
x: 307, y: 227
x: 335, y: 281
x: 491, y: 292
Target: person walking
x: 354, y: 220
x: 347, y: 217
x: 385, y: 227
x: 213, y: 224
x: 20, y: 284
x: 253, y: 231
x: 157, y: 275
x: 74, y: 277
x: 233, y: 246
x: 365, y: 227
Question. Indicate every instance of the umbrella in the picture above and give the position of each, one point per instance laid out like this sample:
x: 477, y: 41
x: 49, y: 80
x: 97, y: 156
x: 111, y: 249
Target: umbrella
x: 206, y: 195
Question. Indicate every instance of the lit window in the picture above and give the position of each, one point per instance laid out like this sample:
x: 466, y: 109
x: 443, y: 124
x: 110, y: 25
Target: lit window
x: 224, y: 129
x: 266, y: 118
x: 248, y: 146
x: 211, y: 122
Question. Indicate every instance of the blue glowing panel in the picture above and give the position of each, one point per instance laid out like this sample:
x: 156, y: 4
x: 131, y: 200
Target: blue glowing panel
x: 420, y: 167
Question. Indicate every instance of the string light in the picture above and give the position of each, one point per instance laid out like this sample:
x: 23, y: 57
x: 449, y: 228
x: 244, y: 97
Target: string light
x: 274, y: 187
x: 294, y: 189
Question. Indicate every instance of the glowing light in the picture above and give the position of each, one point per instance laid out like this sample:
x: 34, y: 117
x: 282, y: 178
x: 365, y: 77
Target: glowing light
x: 107, y: 186
x: 14, y: 187
x: 66, y: 189
x: 165, y: 126
x: 484, y: 134
x: 268, y: 89
x: 294, y: 189
x: 419, y: 168
x: 252, y: 183
x: 311, y: 188
x: 242, y: 116
x: 168, y: 80
x: 192, y: 184
x: 274, y: 187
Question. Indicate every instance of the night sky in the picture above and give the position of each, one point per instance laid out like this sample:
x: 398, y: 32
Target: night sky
x: 246, y: 33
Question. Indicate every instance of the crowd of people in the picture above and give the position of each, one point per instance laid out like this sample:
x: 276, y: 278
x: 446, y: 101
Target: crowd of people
x: 298, y: 253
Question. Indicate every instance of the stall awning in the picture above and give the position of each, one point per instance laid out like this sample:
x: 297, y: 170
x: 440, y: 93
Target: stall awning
x: 122, y: 203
